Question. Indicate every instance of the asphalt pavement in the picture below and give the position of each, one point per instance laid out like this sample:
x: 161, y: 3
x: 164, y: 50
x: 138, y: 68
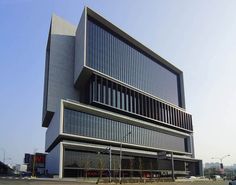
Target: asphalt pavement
x: 20, y: 181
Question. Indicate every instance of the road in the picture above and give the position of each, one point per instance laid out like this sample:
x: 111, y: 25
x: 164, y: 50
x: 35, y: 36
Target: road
x: 62, y: 182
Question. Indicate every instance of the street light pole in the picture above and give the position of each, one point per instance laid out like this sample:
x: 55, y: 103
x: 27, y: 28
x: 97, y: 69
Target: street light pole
x: 221, y: 159
x: 9, y: 161
x: 110, y: 164
x: 172, y: 167
x: 4, y: 154
x: 120, y: 161
x: 108, y: 148
x: 121, y: 142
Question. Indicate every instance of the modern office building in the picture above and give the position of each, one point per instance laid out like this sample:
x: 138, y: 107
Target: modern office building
x: 106, y: 93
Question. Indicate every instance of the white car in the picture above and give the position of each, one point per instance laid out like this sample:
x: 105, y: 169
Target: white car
x: 192, y: 178
x: 217, y: 177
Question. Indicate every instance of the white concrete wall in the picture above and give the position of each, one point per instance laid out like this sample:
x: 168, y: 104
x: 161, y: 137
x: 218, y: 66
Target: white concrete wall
x: 53, y: 161
x: 53, y: 129
x: 80, y: 42
x: 60, y: 71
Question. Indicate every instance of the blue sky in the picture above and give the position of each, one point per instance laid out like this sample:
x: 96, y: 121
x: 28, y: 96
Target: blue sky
x: 196, y: 36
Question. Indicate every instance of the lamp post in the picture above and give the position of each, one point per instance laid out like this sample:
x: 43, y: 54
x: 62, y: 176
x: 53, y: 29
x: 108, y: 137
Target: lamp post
x: 121, y: 142
x: 221, y: 159
x: 109, y: 148
x: 104, y: 151
x: 4, y: 154
x: 9, y: 161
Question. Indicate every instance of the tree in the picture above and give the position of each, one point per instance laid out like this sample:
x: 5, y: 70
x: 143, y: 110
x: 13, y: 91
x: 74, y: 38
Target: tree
x: 86, y: 166
x: 151, y: 167
x: 101, y: 166
x: 131, y: 163
x: 115, y: 164
x: 140, y: 168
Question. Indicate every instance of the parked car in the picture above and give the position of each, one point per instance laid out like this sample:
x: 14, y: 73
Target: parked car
x: 192, y: 178
x: 232, y: 182
x: 216, y: 177
x: 26, y: 174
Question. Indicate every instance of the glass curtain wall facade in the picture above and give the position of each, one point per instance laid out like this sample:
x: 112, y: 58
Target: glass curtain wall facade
x: 84, y: 124
x: 103, y: 88
x: 133, y: 166
x: 111, y: 55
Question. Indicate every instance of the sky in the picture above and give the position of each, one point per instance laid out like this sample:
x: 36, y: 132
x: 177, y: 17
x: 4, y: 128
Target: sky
x: 197, y: 36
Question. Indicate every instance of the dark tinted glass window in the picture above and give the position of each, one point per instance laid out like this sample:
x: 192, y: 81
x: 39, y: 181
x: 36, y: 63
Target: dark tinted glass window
x: 84, y: 124
x: 111, y: 55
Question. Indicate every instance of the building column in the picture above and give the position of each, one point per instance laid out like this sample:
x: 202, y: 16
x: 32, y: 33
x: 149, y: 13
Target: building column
x: 61, y: 161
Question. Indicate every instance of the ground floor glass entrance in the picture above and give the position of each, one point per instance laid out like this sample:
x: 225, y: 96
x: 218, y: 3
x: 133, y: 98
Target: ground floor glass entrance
x: 78, y: 163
